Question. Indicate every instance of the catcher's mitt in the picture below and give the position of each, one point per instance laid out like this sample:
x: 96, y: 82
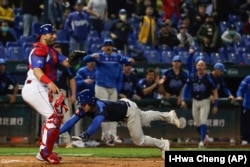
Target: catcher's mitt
x: 75, y: 56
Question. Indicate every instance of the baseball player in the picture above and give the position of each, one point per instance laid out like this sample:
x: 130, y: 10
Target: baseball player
x: 201, y: 86
x: 85, y: 79
x: 6, y: 79
x: 223, y: 90
x: 108, y: 79
x: 217, y: 76
x: 243, y: 94
x: 126, y: 111
x: 129, y: 83
x: 173, y: 80
x: 148, y: 86
x: 39, y: 89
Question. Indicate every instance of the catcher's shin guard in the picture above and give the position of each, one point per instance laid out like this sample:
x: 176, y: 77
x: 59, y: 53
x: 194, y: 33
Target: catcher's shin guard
x: 51, y: 128
x: 50, y: 134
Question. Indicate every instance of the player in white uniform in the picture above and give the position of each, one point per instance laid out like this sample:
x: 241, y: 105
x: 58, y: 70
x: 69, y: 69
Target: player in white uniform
x: 39, y: 89
x: 122, y: 110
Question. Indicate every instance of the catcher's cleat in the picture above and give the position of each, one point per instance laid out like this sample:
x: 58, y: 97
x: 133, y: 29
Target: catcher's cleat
x: 52, y: 158
x: 39, y: 157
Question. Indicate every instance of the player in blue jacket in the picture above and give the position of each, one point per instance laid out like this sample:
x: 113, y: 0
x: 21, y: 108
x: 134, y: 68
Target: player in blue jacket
x: 243, y: 94
x: 108, y: 79
x: 77, y: 26
x: 201, y: 86
x: 122, y: 110
x: 85, y: 77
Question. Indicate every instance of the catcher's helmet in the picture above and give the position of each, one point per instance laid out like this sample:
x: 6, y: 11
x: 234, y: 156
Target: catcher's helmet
x: 86, y: 97
x: 45, y: 29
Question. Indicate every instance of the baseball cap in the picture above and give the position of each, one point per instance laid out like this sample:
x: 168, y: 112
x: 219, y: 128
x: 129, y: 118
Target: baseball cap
x: 122, y: 11
x: 220, y: 67
x: 2, y: 61
x: 79, y: 2
x: 108, y: 42
x: 199, y: 58
x: 177, y: 58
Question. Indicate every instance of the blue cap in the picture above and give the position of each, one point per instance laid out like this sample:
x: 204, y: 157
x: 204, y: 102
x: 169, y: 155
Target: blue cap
x: 177, y: 58
x: 199, y: 58
x: 45, y: 29
x: 122, y: 11
x: 2, y: 61
x: 108, y: 42
x: 220, y: 67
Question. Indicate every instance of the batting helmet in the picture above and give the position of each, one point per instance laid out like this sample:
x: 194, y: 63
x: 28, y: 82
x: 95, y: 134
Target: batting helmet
x: 86, y: 97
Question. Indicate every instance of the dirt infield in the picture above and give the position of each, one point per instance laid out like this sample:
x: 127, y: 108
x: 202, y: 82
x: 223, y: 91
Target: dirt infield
x: 31, y: 161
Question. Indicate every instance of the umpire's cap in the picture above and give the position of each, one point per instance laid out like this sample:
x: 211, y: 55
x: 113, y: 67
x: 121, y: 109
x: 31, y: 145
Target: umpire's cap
x: 2, y: 61
x: 45, y: 29
x: 86, y: 97
x: 220, y: 67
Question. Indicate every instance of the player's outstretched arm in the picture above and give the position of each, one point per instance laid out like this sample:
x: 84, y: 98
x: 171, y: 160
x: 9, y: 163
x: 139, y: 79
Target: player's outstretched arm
x: 67, y: 126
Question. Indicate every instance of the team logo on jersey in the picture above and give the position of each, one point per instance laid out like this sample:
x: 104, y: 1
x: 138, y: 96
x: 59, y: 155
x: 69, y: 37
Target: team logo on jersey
x: 199, y: 87
x: 39, y: 62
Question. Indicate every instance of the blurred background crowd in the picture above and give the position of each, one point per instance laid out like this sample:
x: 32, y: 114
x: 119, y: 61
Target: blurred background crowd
x: 217, y: 29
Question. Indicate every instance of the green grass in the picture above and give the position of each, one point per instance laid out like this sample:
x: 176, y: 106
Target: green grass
x: 97, y: 152
x: 114, y: 152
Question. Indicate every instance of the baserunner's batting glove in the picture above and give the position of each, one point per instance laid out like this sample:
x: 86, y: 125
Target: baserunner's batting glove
x: 84, y: 136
